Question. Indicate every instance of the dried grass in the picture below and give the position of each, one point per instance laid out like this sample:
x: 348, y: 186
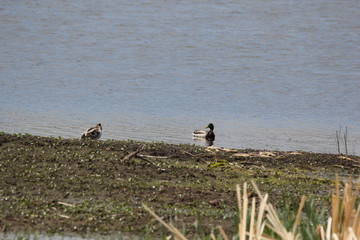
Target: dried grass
x: 344, y: 224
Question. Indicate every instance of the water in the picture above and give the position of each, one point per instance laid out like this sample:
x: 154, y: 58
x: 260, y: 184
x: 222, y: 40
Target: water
x: 279, y: 75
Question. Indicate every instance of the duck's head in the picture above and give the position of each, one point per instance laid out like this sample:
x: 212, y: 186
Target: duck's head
x: 211, y: 126
x: 99, y: 125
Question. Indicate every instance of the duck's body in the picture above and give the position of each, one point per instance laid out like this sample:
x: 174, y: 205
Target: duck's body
x: 208, y: 135
x: 93, y: 132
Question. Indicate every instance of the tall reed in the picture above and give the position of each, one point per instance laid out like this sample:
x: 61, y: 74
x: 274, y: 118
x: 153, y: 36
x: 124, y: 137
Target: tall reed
x: 337, y: 134
x: 344, y: 224
x: 343, y: 138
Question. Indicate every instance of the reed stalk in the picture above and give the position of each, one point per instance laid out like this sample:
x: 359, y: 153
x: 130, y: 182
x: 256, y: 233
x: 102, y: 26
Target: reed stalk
x: 343, y: 138
x: 345, y: 141
x: 344, y: 223
x: 338, y: 140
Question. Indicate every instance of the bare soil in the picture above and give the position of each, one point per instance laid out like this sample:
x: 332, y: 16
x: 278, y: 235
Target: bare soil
x: 57, y: 185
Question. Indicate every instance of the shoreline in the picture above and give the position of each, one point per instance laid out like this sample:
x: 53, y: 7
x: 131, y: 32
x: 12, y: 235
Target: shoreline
x: 57, y: 185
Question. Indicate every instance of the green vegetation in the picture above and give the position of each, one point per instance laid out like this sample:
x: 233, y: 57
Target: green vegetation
x: 57, y: 185
x: 263, y: 221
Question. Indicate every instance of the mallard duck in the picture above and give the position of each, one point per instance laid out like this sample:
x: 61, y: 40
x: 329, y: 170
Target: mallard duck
x: 93, y: 132
x: 208, y: 135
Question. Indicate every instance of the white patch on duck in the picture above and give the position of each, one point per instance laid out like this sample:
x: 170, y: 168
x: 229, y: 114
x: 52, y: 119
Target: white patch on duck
x: 208, y: 135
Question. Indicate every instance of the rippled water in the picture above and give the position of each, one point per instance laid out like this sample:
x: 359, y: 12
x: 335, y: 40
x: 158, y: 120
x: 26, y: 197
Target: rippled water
x: 281, y: 75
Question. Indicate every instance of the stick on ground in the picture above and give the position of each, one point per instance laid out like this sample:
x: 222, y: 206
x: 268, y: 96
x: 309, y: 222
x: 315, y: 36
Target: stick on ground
x: 133, y: 154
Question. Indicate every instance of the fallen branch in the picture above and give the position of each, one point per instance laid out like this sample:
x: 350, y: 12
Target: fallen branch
x: 66, y: 204
x: 144, y: 159
x: 185, y: 152
x: 133, y: 154
x: 198, y: 156
x: 150, y: 156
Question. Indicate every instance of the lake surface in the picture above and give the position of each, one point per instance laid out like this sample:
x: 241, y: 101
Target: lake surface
x: 278, y: 75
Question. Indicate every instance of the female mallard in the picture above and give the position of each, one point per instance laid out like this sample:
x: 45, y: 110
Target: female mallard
x: 93, y: 132
x: 208, y: 135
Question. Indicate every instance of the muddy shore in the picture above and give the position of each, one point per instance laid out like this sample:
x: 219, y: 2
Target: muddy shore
x: 57, y: 185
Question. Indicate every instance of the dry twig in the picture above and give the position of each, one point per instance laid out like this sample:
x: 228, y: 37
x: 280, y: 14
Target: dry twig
x: 134, y: 153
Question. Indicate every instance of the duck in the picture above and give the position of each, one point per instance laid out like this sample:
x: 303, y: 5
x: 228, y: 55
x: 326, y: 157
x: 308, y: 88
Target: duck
x: 93, y: 132
x: 208, y: 135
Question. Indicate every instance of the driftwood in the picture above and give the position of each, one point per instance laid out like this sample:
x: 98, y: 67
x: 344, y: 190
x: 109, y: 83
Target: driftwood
x: 134, y: 154
x: 66, y: 204
x: 150, y: 156
x: 199, y: 156
x: 144, y: 159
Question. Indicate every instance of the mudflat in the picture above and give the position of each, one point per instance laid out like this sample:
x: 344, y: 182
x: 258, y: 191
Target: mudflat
x: 74, y: 186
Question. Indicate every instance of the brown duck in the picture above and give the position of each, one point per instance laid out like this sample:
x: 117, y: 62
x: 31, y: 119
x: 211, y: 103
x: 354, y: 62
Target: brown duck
x: 93, y: 132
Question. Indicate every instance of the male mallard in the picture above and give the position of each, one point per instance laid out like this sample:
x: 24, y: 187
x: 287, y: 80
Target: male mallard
x: 93, y: 132
x: 208, y: 135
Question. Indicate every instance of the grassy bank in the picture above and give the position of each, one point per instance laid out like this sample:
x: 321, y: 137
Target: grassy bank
x: 98, y: 187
